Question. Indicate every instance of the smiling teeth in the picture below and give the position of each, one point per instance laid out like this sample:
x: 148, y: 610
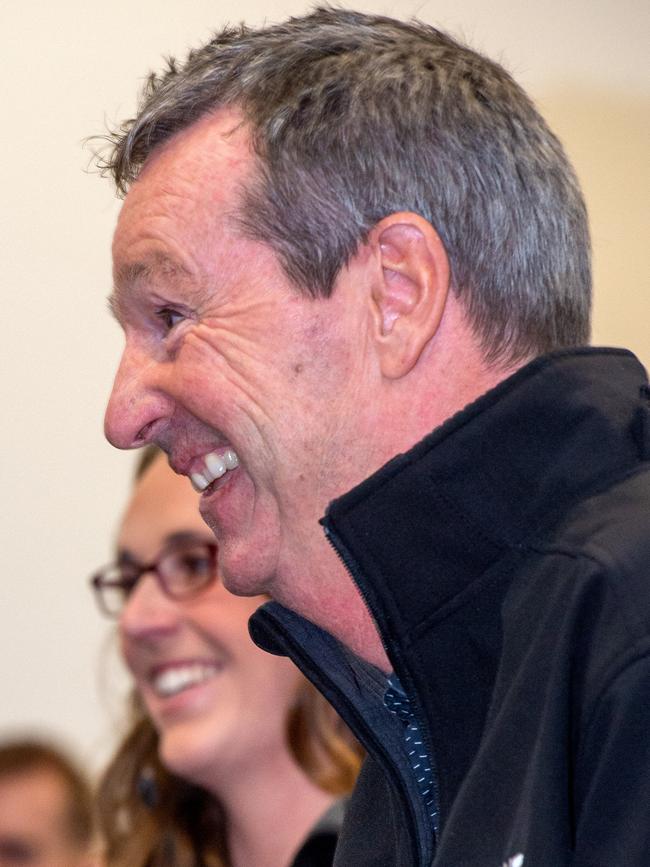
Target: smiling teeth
x: 215, y: 465
x: 175, y: 680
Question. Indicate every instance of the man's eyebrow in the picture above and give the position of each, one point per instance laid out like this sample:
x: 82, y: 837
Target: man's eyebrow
x: 159, y: 265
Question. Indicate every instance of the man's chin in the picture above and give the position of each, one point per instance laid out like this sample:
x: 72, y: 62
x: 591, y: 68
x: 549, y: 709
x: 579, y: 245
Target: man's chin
x: 241, y: 586
x: 241, y: 572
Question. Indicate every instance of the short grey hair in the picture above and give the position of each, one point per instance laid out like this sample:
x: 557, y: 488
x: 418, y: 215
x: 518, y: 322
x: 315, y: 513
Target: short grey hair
x: 354, y: 117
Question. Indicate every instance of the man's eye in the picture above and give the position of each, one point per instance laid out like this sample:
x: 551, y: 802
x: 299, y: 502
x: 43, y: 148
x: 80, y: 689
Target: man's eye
x: 169, y: 317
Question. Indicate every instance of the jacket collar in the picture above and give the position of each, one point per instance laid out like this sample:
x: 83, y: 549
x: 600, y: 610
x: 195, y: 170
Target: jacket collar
x: 432, y: 537
x: 501, y: 471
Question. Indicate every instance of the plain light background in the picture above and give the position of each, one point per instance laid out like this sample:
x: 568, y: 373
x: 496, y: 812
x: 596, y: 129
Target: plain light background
x: 72, y: 66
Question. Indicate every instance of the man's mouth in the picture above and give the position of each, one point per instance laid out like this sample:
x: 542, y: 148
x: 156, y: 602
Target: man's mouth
x: 215, y: 465
x: 177, y: 678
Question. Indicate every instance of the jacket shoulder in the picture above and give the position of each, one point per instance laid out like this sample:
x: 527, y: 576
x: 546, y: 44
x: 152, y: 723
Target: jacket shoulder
x: 608, y: 535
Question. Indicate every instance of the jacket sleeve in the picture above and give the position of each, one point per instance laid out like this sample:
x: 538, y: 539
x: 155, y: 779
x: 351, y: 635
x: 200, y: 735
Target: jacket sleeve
x: 612, y: 782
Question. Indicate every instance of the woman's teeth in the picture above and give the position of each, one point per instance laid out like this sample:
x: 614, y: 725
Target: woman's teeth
x: 174, y: 680
x: 215, y: 465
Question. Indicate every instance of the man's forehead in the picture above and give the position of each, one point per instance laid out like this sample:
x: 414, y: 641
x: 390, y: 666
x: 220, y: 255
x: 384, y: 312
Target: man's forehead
x: 201, y: 167
x: 217, y: 144
x: 186, y: 186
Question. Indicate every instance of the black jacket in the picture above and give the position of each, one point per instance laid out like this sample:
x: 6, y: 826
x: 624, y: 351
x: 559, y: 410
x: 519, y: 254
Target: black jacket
x: 318, y: 848
x: 506, y: 561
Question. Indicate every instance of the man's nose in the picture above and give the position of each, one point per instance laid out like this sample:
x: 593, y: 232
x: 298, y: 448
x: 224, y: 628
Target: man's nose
x: 138, y: 405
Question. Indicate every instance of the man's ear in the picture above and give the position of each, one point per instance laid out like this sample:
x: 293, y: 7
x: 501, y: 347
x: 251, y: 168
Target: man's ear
x: 410, y: 291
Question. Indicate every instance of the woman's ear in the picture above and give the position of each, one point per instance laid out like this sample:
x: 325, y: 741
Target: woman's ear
x: 410, y: 291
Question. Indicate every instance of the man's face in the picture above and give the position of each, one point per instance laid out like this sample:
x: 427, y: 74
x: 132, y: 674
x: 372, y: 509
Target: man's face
x: 33, y: 822
x: 223, y: 355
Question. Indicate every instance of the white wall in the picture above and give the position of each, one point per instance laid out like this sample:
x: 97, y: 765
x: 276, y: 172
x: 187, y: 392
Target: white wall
x: 70, y: 65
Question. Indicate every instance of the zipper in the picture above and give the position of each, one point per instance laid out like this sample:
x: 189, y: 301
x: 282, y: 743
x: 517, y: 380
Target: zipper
x: 355, y: 573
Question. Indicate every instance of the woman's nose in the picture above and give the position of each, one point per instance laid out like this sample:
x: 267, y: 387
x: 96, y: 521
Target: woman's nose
x: 148, y: 613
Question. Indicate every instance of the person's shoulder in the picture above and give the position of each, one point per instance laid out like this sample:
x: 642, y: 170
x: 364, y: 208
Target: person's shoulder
x: 609, y: 534
x: 590, y: 578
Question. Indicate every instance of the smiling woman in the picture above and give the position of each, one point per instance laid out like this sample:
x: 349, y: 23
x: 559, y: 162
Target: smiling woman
x: 232, y: 758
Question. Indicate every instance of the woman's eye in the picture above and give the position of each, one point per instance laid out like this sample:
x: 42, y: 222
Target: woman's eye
x: 169, y: 317
x: 196, y: 565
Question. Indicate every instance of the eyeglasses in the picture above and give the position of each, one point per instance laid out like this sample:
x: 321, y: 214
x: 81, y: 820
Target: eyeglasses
x: 182, y: 571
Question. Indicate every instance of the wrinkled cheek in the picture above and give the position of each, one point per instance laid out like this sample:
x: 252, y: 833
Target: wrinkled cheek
x: 220, y: 363
x: 206, y: 387
x: 196, y: 377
